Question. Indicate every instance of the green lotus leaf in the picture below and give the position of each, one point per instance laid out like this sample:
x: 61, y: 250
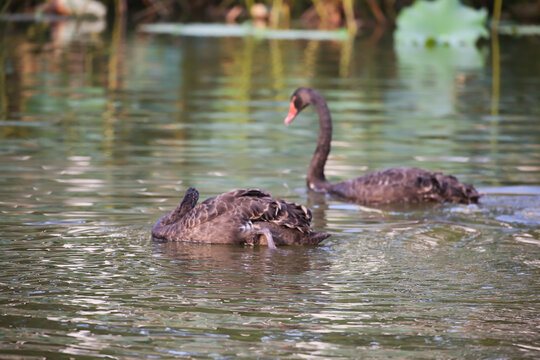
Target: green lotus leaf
x: 441, y: 22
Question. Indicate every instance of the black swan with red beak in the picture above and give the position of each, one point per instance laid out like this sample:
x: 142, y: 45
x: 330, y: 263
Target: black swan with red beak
x: 248, y: 217
x: 402, y: 184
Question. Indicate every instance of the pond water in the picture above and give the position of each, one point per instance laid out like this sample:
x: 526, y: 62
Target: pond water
x: 101, y: 134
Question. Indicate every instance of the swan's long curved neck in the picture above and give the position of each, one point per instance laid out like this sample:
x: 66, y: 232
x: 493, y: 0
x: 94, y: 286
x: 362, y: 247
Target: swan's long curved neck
x: 316, y: 179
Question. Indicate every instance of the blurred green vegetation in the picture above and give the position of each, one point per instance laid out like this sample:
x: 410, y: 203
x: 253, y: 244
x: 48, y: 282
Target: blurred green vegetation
x: 442, y: 22
x: 278, y: 13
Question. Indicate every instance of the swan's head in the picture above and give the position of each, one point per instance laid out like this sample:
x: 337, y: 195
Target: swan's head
x: 301, y: 98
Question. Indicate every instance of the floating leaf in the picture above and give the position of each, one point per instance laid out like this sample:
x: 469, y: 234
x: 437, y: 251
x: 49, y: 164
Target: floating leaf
x: 441, y: 22
x: 220, y: 30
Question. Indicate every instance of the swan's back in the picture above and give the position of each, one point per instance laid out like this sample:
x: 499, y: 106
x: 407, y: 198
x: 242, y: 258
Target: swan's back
x: 405, y: 184
x: 231, y: 217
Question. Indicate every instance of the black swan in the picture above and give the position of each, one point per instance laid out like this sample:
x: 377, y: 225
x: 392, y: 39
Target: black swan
x: 250, y: 217
x: 403, y: 184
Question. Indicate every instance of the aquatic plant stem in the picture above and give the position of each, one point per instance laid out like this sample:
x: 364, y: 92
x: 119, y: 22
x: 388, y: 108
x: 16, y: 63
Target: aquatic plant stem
x: 321, y: 11
x: 496, y: 72
x: 495, y: 56
x: 275, y: 13
x: 3, y: 88
x: 347, y: 48
x: 496, y: 14
x: 249, y: 5
x: 348, y: 7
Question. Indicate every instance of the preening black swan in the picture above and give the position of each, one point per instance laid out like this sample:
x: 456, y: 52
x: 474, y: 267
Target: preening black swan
x: 403, y: 184
x: 241, y: 216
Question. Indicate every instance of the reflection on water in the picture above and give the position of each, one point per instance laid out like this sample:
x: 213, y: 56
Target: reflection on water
x: 233, y: 259
x: 100, y: 135
x: 432, y: 75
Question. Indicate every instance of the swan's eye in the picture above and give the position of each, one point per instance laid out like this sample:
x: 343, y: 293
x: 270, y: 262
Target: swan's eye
x: 298, y: 103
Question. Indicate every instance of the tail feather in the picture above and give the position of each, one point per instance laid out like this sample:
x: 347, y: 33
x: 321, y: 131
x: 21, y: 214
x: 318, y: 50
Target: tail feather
x: 186, y: 205
x: 318, y: 237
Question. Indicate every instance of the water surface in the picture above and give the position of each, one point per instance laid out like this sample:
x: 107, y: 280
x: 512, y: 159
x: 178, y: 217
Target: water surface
x: 101, y: 134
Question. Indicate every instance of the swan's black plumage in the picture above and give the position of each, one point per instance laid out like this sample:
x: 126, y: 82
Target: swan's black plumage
x: 402, y: 184
x: 238, y: 217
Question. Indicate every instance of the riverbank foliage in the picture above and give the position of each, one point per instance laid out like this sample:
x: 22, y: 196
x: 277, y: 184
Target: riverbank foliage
x: 276, y: 13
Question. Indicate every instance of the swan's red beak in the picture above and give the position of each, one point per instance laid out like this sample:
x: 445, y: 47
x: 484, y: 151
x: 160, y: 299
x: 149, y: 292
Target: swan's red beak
x: 292, y: 113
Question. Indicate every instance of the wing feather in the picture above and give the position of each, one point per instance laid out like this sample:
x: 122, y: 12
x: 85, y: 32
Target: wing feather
x: 407, y: 184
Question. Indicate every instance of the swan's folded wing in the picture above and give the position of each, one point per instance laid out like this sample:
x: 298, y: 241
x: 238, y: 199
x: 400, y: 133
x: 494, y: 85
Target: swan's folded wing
x: 237, y: 203
x: 251, y: 205
x: 281, y: 213
x: 297, y: 217
x: 408, y: 184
